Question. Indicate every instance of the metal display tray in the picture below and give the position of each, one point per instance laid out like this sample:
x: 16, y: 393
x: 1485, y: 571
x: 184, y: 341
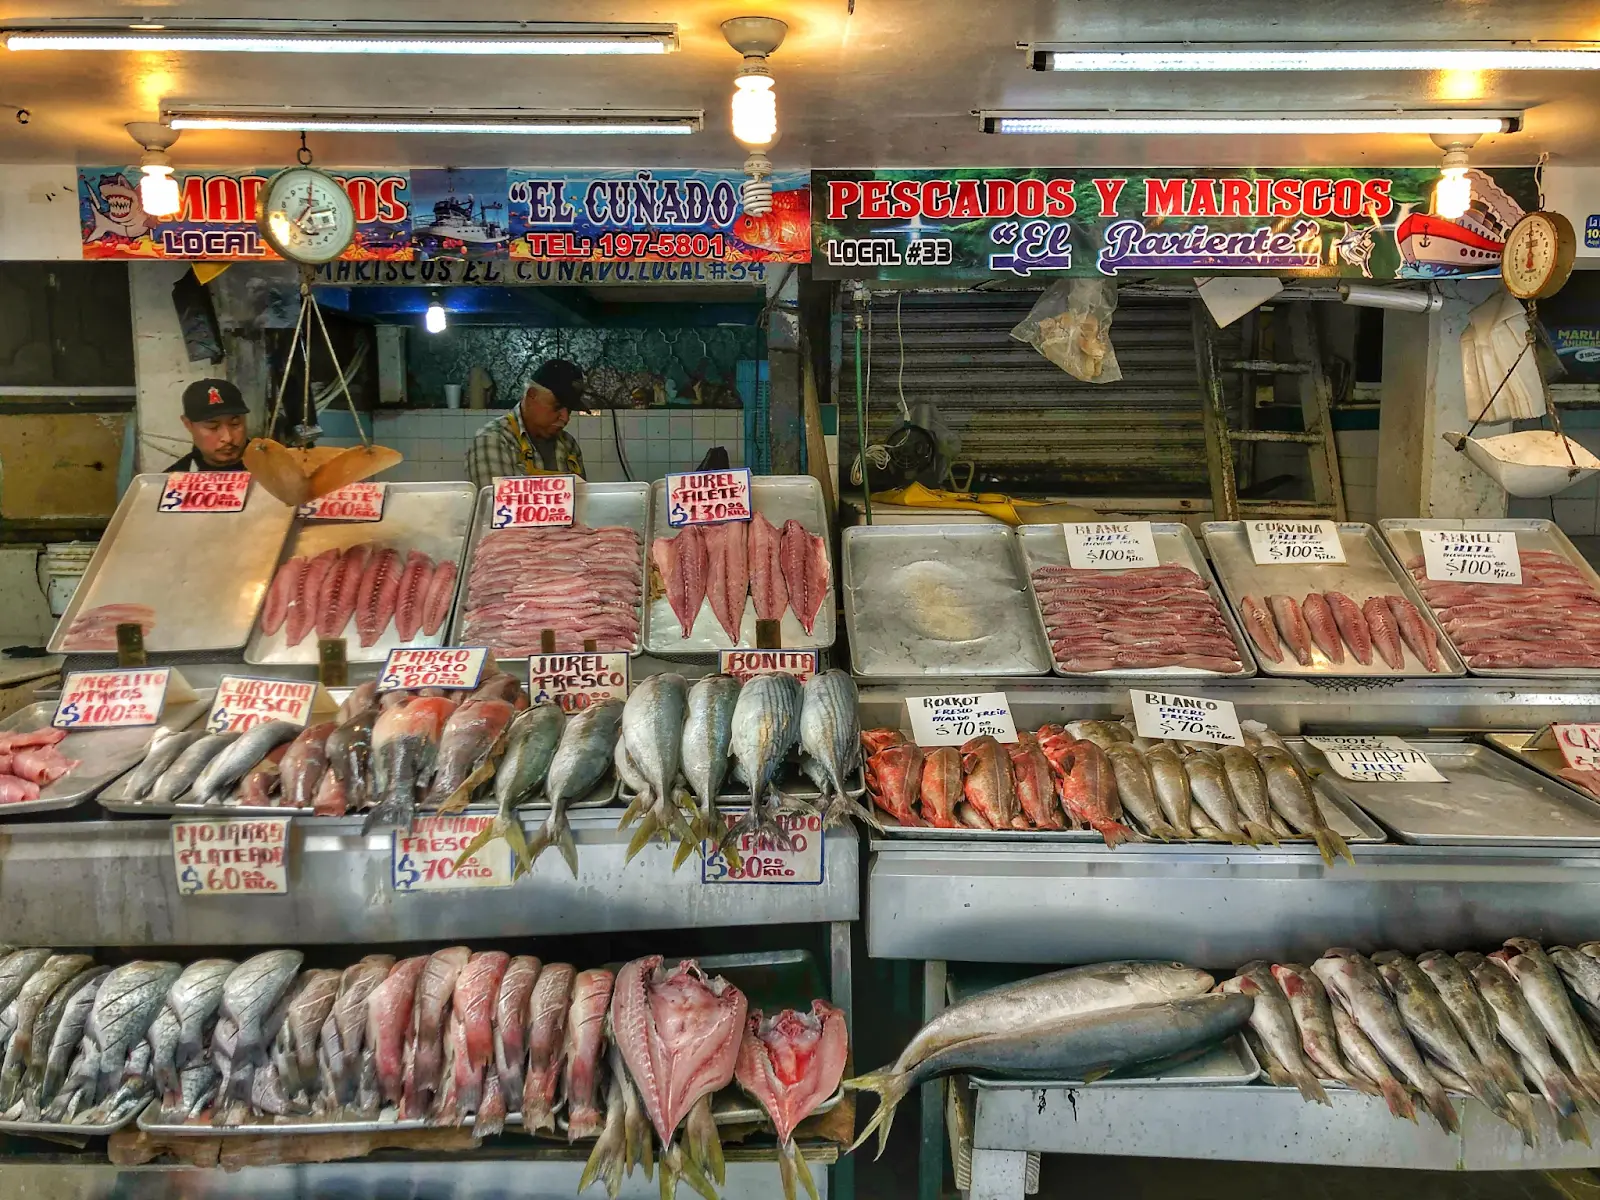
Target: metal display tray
x: 104, y: 754
x: 59, y: 1129
x: 778, y: 498
x: 204, y: 574
x: 1368, y: 570
x: 923, y: 601
x: 595, y: 505
x: 431, y: 517
x: 1533, y: 533
x: 1046, y: 546
x: 1488, y: 799
x: 1548, y: 763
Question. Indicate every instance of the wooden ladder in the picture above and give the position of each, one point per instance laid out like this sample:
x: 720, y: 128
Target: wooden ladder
x: 1311, y: 383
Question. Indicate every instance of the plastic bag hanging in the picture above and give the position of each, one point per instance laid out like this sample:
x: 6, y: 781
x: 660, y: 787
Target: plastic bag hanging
x: 1071, y: 326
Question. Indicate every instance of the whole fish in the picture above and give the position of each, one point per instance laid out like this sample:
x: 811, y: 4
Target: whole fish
x: 1324, y: 629
x: 1248, y: 786
x: 586, y: 750
x: 472, y: 1013
x: 303, y: 764
x: 1354, y: 983
x: 1087, y: 785
x: 894, y: 779
x: 707, y: 733
x: 177, y: 779
x: 309, y: 1007
x: 1137, y: 790
x: 1383, y: 631
x: 347, y: 783
x: 220, y: 774
x: 531, y: 741
x: 1032, y: 781
x: 830, y: 744
x: 1352, y: 625
x: 548, y: 1008
x: 339, y: 1046
x: 250, y: 997
x: 425, y: 1057
x: 511, y: 1028
x: 766, y: 726
x: 125, y: 1004
x: 585, y: 1044
x: 469, y: 737
x: 1104, y: 734
x: 1273, y: 1021
x: 25, y: 1008
x: 1582, y: 975
x: 384, y: 1038
x: 941, y: 786
x: 15, y: 970
x: 989, y: 786
x: 1522, y: 1031
x: 652, y: 730
x: 1171, y: 783
x: 165, y: 746
x: 1313, y: 1017
x: 362, y: 697
x: 76, y: 1001
x: 1294, y: 799
x: 1208, y: 784
x: 1473, y: 1015
x: 193, y: 1000
x: 1365, y: 1060
x: 45, y: 1024
x: 1075, y: 1047
x: 405, y: 746
x: 1547, y: 996
x: 1286, y: 613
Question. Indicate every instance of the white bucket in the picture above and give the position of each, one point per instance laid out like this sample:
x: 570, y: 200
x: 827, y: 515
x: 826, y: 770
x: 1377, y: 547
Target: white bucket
x: 61, y: 568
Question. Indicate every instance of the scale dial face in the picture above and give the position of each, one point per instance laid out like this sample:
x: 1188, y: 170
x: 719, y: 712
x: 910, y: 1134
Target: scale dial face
x: 306, y: 215
x: 1538, y: 255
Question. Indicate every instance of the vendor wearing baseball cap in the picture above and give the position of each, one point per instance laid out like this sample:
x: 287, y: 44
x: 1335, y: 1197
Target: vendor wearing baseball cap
x: 214, y: 413
x: 532, y: 438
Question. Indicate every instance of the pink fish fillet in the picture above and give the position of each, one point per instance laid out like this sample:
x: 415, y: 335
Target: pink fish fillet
x: 805, y: 572
x: 413, y: 595
x: 48, y: 736
x: 1286, y: 614
x: 684, y: 565
x: 1416, y: 632
x: 547, y: 1028
x: 96, y: 629
x: 17, y: 791
x: 1385, y: 635
x: 1324, y: 629
x: 728, y: 575
x: 285, y: 585
x: 766, y: 570
x: 380, y: 592
x: 1347, y: 615
x: 791, y: 1062
x: 441, y: 594
x: 302, y: 610
x: 1258, y: 624
x: 336, y: 601
x: 586, y: 1040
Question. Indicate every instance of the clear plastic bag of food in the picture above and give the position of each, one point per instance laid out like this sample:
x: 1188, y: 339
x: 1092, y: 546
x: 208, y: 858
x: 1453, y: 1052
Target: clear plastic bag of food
x: 1071, y: 326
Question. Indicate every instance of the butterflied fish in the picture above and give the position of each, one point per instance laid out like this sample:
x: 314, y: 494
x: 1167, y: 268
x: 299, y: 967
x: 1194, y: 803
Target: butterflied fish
x: 790, y: 1063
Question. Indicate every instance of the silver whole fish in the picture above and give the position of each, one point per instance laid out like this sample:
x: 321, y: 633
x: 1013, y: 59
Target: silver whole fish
x: 583, y: 755
x: 193, y: 1000
x: 1273, y: 1021
x: 1295, y: 800
x: 830, y: 745
x: 1546, y: 995
x: 1249, y: 789
x: 1208, y: 784
x: 213, y: 784
x: 1172, y: 787
x: 30, y: 999
x: 16, y: 969
x: 250, y: 996
x: 179, y: 778
x: 126, y: 1003
x: 652, y: 732
x: 1582, y: 975
x: 766, y: 726
x: 309, y: 1006
x: 53, y: 1054
x: 1313, y: 1016
x: 165, y: 747
x: 1474, y: 1016
x: 1364, y: 1059
x: 707, y: 732
x: 530, y: 742
x: 1521, y: 1030
x: 1137, y: 790
x: 339, y: 1046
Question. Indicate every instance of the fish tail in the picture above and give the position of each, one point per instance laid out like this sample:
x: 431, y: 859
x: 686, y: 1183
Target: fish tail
x: 1330, y: 843
x: 1397, y: 1099
x: 1519, y: 1114
x: 636, y: 806
x: 1310, y: 1086
x: 890, y: 1086
x: 1570, y: 1128
x: 843, y: 808
x: 605, y: 1160
x: 1259, y: 834
x: 392, y: 812
x: 686, y: 847
x: 1560, y: 1091
x: 1165, y: 831
x: 675, y: 1165
x: 479, y: 840
x: 749, y: 822
x: 642, y: 836
x: 1114, y: 832
x: 792, y: 1169
x: 567, y: 845
x: 1438, y: 1104
x: 702, y: 1143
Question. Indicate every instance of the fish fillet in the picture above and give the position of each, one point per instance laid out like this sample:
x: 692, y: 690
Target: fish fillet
x: 684, y: 565
x: 1385, y: 634
x: 441, y: 592
x: 1286, y: 613
x: 284, y: 586
x: 1415, y: 632
x: 380, y: 591
x: 1352, y: 625
x: 414, y: 581
x: 766, y: 570
x: 1324, y: 629
x: 336, y: 601
x: 805, y: 572
x: 728, y: 575
x: 96, y: 628
x: 302, y: 615
x: 1258, y: 624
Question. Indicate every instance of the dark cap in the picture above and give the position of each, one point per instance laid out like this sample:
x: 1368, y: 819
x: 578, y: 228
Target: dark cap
x: 563, y: 379
x: 207, y: 399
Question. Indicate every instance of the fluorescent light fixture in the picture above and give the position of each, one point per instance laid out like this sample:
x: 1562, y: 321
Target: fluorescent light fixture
x: 345, y: 37
x: 526, y: 122
x: 1322, y: 56
x: 1455, y: 121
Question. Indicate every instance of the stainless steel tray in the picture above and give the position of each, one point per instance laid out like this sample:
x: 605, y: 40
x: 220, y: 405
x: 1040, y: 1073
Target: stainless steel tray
x: 1368, y: 570
x: 105, y: 754
x: 778, y: 498
x: 1533, y: 533
x: 595, y: 505
x: 1488, y: 798
x: 57, y: 1129
x: 1548, y: 763
x: 1046, y: 546
x: 431, y: 517
x: 204, y: 574
x: 923, y: 601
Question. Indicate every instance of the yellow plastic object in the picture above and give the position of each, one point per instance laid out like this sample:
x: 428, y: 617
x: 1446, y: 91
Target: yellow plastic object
x: 993, y: 504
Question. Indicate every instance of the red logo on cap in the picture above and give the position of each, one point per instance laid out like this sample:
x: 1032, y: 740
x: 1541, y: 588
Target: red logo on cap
x: 213, y: 396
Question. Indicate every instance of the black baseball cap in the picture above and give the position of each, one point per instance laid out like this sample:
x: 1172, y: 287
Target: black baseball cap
x: 563, y: 379
x: 207, y: 399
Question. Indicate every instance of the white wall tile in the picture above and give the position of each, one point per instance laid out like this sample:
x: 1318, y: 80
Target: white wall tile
x: 1576, y: 517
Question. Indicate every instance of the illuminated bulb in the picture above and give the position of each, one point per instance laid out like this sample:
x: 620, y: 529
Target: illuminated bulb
x: 1452, y: 195
x: 755, y: 109
x: 158, y: 190
x: 434, y: 319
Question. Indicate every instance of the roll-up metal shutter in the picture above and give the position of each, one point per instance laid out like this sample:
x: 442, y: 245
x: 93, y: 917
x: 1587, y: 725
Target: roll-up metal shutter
x: 1027, y: 424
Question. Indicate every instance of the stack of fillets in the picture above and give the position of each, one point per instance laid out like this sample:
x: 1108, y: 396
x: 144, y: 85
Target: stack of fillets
x: 724, y: 564
x: 1138, y: 619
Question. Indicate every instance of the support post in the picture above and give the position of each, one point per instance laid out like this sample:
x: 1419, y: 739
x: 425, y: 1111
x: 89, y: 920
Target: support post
x: 930, y: 1162
x: 785, y: 430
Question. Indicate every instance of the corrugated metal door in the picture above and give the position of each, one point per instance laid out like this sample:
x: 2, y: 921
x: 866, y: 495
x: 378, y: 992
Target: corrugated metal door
x: 1028, y: 425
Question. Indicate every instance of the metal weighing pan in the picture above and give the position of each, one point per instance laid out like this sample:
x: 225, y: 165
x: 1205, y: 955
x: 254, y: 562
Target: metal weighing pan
x: 1549, y: 763
x: 923, y: 601
x: 1533, y: 533
x: 596, y: 505
x: 1368, y: 570
x: 103, y: 754
x: 1487, y: 799
x: 431, y: 517
x: 1046, y: 546
x: 204, y: 574
x: 778, y: 498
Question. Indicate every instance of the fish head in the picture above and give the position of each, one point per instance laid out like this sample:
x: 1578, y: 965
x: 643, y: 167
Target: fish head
x: 1524, y: 946
x: 874, y: 740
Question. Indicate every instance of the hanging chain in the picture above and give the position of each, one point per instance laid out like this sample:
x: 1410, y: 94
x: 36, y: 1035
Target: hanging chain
x: 303, y: 155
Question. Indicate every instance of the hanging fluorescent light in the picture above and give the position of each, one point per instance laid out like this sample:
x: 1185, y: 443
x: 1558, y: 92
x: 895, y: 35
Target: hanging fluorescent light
x: 755, y: 106
x: 345, y: 37
x: 625, y: 122
x: 1452, y: 195
x: 434, y: 320
x: 1324, y: 56
x: 158, y: 190
x: 1458, y: 122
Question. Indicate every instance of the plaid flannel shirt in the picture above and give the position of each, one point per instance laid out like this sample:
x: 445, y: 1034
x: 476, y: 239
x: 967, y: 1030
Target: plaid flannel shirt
x: 495, y: 452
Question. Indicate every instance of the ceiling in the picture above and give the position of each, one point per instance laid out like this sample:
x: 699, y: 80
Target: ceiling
x: 893, y: 84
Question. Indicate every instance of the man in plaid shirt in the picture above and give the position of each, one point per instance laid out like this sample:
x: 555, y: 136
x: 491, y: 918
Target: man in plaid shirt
x: 531, y: 439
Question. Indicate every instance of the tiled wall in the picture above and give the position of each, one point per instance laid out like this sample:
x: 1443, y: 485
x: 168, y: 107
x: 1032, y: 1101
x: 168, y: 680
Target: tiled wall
x: 1576, y: 510
x: 1358, y: 471
x: 435, y: 441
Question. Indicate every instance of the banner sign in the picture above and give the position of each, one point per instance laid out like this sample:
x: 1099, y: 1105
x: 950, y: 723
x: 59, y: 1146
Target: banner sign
x: 1310, y: 221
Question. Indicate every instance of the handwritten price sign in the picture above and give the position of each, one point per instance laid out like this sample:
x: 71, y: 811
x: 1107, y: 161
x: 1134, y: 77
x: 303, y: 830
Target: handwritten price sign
x: 707, y: 497
x: 111, y: 699
x: 533, y: 500
x: 204, y: 492
x: 1479, y: 556
x: 1276, y: 542
x: 1379, y: 759
x: 951, y: 720
x: 1110, y: 545
x: 425, y: 859
x: 352, y: 502
x: 456, y: 668
x: 576, y: 681
x: 1185, y: 718
x: 231, y: 857
x: 745, y: 665
x: 761, y: 861
x: 243, y: 702
x: 1579, y: 745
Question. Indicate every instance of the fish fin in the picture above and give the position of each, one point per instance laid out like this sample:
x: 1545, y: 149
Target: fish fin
x: 507, y: 827
x: 1438, y: 1104
x: 551, y: 833
x: 639, y: 804
x: 1399, y: 1102
x: 392, y: 812
x: 642, y: 836
x: 458, y: 799
x: 1259, y: 834
x: 605, y: 1161
x: 1331, y: 845
x: 748, y: 822
x: 568, y: 847
x: 701, y: 1142
x: 1095, y: 1074
x: 891, y: 1087
x: 676, y: 1165
x: 792, y: 1168
x: 1310, y: 1086
x: 1520, y: 1115
x: 1165, y: 831
x: 1570, y: 1128
x: 686, y: 847
x: 1114, y: 833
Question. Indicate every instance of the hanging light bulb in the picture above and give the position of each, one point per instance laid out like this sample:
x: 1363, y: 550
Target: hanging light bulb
x: 158, y: 190
x: 434, y: 320
x: 755, y: 106
x: 1452, y: 195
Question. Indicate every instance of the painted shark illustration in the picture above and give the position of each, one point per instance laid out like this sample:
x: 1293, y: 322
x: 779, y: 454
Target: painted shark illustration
x: 117, y: 211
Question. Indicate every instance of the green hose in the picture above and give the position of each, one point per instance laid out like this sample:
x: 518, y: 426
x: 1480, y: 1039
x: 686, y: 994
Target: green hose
x: 861, y: 426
